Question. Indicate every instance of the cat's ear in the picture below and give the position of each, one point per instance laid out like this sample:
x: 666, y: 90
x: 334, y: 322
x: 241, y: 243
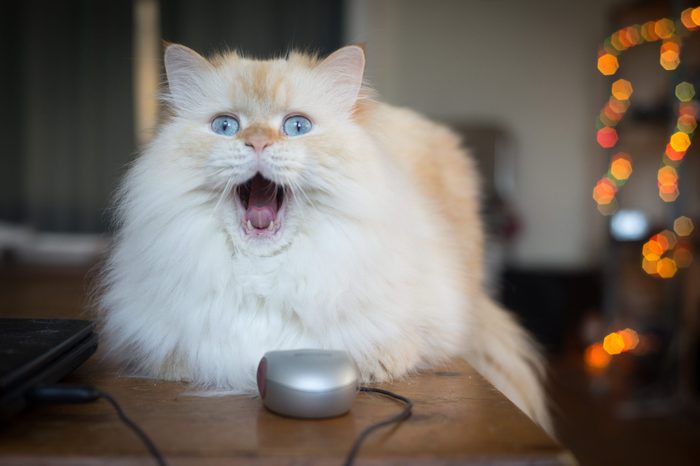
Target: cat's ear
x: 343, y: 70
x: 185, y: 70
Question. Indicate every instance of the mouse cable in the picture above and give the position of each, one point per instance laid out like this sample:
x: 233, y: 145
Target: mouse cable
x: 403, y: 415
x: 62, y: 393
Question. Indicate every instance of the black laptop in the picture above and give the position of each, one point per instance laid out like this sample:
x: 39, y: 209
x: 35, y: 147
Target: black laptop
x: 39, y: 351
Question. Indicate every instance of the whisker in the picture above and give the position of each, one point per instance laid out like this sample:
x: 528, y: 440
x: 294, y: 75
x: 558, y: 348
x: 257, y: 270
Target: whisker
x: 226, y: 190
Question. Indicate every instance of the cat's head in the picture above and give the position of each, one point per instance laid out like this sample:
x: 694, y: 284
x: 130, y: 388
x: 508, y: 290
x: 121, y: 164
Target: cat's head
x: 271, y: 138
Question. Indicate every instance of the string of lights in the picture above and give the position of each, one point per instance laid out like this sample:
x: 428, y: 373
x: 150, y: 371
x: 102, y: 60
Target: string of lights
x: 671, y: 34
x: 667, y: 251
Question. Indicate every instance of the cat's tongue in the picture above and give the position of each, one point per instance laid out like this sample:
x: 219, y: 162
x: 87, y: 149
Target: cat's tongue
x: 262, y: 203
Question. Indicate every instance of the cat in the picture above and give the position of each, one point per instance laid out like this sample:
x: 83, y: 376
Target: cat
x: 282, y: 206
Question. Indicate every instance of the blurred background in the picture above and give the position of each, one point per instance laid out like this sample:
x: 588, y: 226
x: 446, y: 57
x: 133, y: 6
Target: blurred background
x: 580, y: 114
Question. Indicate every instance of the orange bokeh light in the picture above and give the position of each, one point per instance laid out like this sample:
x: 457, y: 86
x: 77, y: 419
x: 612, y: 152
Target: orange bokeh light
x: 617, y: 43
x: 613, y: 343
x: 632, y: 34
x: 630, y: 338
x: 648, y: 32
x: 664, y: 28
x: 649, y: 266
x: 669, y: 188
x: 596, y: 357
x: 604, y: 191
x: 662, y: 241
x: 669, y: 196
x: 670, y: 46
x: 652, y: 250
x: 608, y: 64
x: 687, y: 19
x: 669, y: 60
x: 667, y: 175
x: 622, y: 89
x: 695, y: 16
x: 667, y: 180
x: 666, y: 268
x: 621, y: 167
x: 680, y: 141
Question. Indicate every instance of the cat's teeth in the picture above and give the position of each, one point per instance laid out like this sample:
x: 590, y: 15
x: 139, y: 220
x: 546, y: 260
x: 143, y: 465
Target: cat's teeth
x: 271, y: 226
x: 249, y: 225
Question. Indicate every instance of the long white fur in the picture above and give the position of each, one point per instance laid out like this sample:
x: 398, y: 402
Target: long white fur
x: 187, y: 296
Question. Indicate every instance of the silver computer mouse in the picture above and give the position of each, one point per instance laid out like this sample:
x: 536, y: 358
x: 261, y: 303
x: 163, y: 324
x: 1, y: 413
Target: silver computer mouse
x: 308, y: 383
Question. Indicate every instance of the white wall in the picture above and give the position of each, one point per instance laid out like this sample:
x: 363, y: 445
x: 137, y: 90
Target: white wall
x: 526, y: 65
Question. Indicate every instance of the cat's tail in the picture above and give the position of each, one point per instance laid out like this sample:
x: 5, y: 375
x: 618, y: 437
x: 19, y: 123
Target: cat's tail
x: 505, y: 354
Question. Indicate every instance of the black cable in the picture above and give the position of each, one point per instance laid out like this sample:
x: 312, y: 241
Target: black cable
x: 155, y: 453
x: 86, y: 393
x: 403, y: 415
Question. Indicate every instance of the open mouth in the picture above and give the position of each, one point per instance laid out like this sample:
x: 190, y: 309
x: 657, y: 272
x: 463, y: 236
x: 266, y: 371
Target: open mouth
x: 262, y: 201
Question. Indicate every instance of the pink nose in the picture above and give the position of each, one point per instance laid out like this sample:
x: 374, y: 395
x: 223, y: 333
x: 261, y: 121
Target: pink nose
x: 258, y: 142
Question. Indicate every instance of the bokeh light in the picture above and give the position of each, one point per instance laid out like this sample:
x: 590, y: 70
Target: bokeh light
x: 648, y: 32
x: 621, y: 166
x: 618, y: 106
x: 688, y: 108
x: 672, y: 154
x: 649, y: 266
x: 607, y: 137
x: 680, y: 141
x: 622, y: 89
x: 617, y: 42
x: 662, y: 254
x: 685, y: 91
x: 667, y: 239
x: 608, y: 64
x: 630, y: 338
x: 604, y: 191
x: 683, y: 257
x: 683, y: 226
x: 613, y: 343
x: 687, y: 19
x: 653, y: 250
x: 670, y: 196
x: 596, y: 357
x: 687, y: 124
x: 666, y: 267
x: 609, y: 208
x: 669, y: 60
x: 667, y: 179
x: 664, y: 28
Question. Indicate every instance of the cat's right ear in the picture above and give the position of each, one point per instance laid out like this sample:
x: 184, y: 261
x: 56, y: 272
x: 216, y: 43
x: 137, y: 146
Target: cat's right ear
x: 343, y: 70
x: 185, y: 70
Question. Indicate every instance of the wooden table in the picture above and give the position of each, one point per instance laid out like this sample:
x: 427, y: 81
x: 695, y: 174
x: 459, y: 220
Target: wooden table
x: 458, y: 418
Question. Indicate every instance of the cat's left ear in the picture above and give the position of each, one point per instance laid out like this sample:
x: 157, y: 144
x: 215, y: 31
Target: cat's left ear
x: 186, y: 71
x: 342, y: 71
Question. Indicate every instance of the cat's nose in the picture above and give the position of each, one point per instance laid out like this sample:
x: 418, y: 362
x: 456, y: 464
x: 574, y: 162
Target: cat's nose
x: 258, y: 142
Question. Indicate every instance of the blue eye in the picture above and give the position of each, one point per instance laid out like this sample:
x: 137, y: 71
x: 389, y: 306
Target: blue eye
x: 296, y: 125
x: 225, y: 125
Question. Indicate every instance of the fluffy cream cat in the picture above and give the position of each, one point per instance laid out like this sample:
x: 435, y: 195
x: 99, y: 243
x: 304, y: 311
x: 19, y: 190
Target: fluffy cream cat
x: 282, y: 207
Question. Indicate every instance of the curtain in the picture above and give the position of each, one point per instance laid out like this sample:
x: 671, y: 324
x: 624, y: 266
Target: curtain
x: 66, y: 79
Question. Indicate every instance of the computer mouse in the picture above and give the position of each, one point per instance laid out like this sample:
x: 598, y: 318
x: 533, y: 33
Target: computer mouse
x: 308, y: 383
